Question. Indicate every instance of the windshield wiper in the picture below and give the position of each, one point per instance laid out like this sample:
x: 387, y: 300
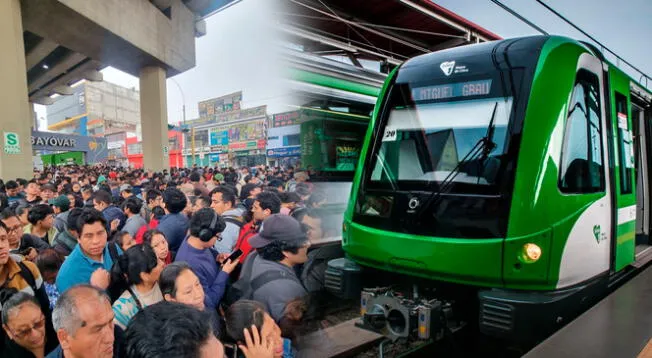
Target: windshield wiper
x: 480, y: 150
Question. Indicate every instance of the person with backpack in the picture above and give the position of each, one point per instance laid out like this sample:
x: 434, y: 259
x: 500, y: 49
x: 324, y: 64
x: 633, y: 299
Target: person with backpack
x: 223, y: 202
x: 268, y: 274
x: 91, y: 260
x: 66, y: 241
x: 139, y: 269
x: 265, y: 204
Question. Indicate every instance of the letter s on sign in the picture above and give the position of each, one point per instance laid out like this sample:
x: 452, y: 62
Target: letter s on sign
x: 11, y: 139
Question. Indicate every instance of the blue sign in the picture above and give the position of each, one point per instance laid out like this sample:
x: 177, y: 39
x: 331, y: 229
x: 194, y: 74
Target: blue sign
x: 214, y: 157
x: 452, y: 90
x: 219, y: 138
x: 294, y: 151
x: 95, y: 148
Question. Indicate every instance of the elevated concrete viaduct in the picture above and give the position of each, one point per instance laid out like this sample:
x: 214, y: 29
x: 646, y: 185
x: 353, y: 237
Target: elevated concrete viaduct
x: 48, y: 45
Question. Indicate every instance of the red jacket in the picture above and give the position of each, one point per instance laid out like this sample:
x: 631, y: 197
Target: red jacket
x: 247, y: 231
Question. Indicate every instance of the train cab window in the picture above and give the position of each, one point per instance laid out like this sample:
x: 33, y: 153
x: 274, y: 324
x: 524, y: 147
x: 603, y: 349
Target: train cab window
x: 582, y: 166
x: 625, y: 145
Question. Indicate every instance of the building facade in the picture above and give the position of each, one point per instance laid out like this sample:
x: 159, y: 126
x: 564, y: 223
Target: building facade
x: 99, y: 109
x: 226, y: 135
x: 284, y: 140
x: 134, y: 150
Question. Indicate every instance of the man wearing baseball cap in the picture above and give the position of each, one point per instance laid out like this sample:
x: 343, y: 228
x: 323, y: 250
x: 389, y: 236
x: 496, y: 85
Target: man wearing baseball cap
x: 280, y: 245
x: 61, y: 206
x: 126, y: 191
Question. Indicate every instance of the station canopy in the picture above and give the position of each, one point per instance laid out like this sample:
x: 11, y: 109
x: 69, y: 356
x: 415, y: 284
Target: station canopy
x: 390, y: 31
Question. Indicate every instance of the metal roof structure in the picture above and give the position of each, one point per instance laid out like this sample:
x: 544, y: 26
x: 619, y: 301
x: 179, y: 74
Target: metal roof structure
x: 390, y: 31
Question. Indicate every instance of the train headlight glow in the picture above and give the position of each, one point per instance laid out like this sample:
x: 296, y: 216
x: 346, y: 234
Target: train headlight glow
x: 531, y: 253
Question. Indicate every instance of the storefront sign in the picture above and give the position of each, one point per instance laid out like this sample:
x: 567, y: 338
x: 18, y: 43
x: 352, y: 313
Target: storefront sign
x: 115, y: 145
x: 219, y: 148
x: 249, y: 153
x: 294, y: 151
x: 11, y: 143
x: 95, y: 148
x: 285, y: 119
x: 252, y: 144
x: 52, y: 141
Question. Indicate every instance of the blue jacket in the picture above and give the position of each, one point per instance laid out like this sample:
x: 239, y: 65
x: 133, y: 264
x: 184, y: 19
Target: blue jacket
x: 111, y: 213
x: 77, y: 267
x: 211, y: 276
x: 174, y: 227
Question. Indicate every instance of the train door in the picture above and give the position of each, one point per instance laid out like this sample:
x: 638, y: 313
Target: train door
x: 641, y: 131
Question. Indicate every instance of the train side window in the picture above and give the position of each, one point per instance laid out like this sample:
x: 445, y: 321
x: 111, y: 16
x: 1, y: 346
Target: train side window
x: 582, y: 167
x: 625, y: 145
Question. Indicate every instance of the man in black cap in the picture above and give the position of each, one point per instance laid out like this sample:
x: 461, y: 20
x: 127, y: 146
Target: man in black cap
x: 280, y: 245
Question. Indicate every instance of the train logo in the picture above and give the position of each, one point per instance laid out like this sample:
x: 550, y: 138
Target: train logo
x: 413, y: 203
x: 447, y: 67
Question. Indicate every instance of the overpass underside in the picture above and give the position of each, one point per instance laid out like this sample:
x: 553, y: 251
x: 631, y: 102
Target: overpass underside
x: 48, y: 45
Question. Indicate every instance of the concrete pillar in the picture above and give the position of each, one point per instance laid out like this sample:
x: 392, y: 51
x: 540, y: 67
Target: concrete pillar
x: 154, y: 118
x: 16, y: 153
x: 32, y: 116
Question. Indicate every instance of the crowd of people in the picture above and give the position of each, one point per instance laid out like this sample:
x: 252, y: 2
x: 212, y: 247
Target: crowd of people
x: 196, y: 262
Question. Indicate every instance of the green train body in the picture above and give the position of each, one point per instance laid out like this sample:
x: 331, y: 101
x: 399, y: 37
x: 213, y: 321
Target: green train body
x: 544, y: 218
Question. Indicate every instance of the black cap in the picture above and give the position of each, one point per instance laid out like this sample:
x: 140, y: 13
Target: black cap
x: 279, y: 227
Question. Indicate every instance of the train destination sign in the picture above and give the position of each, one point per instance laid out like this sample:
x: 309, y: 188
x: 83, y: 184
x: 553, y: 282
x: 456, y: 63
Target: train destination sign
x: 452, y: 90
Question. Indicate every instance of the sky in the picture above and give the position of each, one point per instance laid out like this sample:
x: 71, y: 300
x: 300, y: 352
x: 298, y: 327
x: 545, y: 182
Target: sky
x: 237, y: 53
x: 623, y: 26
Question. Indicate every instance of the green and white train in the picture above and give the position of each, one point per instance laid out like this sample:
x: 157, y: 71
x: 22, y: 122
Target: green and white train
x: 503, y: 185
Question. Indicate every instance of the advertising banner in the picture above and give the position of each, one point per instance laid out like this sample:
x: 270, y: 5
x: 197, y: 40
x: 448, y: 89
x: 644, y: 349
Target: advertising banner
x: 230, y: 116
x: 246, y: 131
x: 252, y: 144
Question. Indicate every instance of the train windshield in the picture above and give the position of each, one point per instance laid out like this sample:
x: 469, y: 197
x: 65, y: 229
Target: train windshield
x: 447, y: 135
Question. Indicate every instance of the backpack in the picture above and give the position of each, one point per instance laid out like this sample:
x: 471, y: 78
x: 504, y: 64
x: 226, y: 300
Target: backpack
x: 237, y: 220
x: 244, y: 288
x: 313, y: 273
x: 28, y: 276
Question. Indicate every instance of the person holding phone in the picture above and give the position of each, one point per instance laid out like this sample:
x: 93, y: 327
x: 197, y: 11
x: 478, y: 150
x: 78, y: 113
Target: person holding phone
x: 197, y: 250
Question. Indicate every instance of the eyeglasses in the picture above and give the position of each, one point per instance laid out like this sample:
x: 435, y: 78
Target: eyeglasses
x: 15, y: 229
x: 25, y: 332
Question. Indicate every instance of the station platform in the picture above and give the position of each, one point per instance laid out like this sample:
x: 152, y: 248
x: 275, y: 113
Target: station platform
x: 618, y: 326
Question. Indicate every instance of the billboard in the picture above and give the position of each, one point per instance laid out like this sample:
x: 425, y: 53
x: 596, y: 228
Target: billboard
x: 228, y: 103
x: 232, y: 116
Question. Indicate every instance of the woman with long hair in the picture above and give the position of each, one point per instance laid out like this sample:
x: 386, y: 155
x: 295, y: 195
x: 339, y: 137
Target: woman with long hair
x: 157, y: 241
x: 138, y: 269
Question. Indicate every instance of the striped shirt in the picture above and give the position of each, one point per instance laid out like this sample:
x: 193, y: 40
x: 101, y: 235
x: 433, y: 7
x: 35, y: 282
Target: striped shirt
x: 125, y: 306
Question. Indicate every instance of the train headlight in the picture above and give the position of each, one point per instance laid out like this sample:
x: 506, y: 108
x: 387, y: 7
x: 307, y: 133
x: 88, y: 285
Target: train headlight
x: 531, y: 253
